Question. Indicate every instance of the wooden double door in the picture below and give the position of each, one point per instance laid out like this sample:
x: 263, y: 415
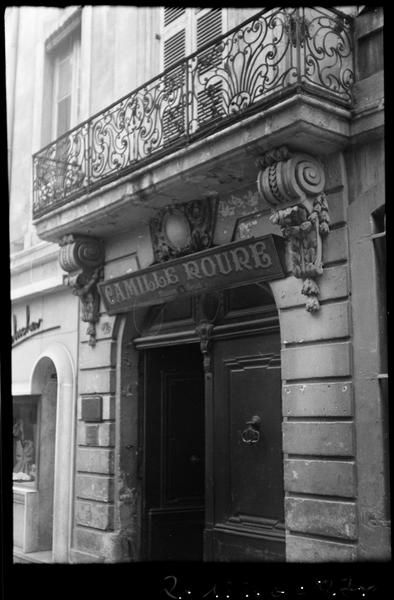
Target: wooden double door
x: 213, y: 466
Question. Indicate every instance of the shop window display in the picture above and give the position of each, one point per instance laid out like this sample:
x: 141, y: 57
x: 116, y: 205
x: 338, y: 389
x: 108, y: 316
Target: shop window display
x: 25, y: 436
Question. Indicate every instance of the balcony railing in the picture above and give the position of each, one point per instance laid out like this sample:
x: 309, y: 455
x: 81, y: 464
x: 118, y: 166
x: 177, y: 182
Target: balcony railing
x: 272, y: 55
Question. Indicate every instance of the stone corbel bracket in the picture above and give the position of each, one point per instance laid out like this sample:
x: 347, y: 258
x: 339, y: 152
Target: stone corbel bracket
x: 82, y: 257
x: 292, y: 184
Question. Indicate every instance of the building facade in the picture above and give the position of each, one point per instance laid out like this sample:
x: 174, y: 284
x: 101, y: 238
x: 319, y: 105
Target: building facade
x: 199, y: 270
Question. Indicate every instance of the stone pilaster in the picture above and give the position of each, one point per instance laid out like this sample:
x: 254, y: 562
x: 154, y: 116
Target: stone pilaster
x: 320, y: 477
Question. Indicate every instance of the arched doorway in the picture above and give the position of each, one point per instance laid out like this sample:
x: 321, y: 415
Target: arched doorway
x: 52, y: 382
x: 235, y: 443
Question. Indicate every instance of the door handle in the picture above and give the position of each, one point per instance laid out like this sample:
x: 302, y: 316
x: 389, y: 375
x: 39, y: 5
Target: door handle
x: 194, y: 459
x: 251, y: 435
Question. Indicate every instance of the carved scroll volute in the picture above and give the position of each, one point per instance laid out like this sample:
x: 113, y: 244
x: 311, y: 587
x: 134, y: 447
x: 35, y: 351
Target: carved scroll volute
x: 82, y: 258
x: 293, y: 185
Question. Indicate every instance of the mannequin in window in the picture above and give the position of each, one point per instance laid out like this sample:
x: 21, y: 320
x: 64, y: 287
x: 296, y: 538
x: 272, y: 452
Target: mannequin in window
x: 23, y: 454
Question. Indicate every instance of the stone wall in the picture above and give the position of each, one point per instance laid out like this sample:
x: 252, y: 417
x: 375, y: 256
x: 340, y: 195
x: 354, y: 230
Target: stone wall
x: 317, y: 399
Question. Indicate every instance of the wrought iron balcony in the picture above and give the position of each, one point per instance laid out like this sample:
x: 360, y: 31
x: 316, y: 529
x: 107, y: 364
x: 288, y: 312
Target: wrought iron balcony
x: 276, y: 53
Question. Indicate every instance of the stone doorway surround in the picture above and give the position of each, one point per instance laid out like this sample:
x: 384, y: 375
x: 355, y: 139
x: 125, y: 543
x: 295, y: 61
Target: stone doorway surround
x: 318, y: 412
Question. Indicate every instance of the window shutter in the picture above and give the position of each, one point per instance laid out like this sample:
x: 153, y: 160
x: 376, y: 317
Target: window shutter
x: 171, y: 13
x: 174, y: 112
x: 209, y: 26
x: 174, y: 48
x: 209, y: 103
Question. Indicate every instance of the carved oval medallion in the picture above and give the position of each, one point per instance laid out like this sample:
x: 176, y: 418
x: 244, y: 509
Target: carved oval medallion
x: 177, y: 229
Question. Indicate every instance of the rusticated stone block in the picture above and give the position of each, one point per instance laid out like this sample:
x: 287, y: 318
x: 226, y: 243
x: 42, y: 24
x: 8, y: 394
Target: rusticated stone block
x: 88, y: 540
x: 95, y: 461
x: 106, y: 434
x: 92, y: 487
x: 91, y: 435
x: 302, y: 549
x: 334, y: 170
x: 322, y: 517
x: 102, y: 434
x: 337, y: 205
x: 318, y: 438
x: 335, y: 245
x: 92, y: 514
x: 332, y: 284
x: 108, y: 407
x: 323, y: 477
x: 104, y: 328
x: 326, y: 360
x: 317, y: 399
x: 100, y: 381
x: 103, y: 354
x: 331, y: 321
x: 77, y: 557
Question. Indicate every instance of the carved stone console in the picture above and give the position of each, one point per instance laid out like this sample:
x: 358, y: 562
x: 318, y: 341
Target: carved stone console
x: 208, y: 309
x: 293, y: 185
x: 83, y: 257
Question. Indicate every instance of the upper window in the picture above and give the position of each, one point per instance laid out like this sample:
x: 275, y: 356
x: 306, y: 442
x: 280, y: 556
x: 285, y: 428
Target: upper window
x: 187, y: 30
x: 61, y: 96
x: 65, y: 93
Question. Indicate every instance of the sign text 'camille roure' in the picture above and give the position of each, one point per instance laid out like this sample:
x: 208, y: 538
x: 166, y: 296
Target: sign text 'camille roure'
x: 238, y: 263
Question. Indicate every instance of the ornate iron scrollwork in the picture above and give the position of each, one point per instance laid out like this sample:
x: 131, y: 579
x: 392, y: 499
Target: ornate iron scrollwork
x: 296, y: 182
x: 83, y: 257
x: 278, y: 50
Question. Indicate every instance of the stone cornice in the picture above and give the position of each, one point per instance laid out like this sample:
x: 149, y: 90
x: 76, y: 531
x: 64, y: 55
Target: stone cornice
x: 38, y: 254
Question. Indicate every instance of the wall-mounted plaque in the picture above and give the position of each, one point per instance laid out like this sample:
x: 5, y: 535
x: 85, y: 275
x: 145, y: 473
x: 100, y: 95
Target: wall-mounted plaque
x: 92, y: 408
x: 235, y: 264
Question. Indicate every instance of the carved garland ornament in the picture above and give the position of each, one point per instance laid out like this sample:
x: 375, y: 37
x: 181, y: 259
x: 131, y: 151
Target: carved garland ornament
x: 293, y: 186
x: 82, y: 257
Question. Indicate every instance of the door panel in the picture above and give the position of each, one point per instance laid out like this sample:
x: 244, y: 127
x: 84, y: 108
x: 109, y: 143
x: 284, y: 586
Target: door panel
x: 174, y: 453
x: 248, y: 490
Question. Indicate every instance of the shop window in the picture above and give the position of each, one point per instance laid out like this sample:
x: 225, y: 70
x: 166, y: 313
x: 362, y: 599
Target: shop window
x: 25, y: 441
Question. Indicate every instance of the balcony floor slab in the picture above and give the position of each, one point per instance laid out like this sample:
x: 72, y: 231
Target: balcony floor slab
x: 219, y: 163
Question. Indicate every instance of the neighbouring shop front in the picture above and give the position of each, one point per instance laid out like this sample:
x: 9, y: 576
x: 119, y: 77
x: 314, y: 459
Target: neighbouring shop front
x: 44, y: 341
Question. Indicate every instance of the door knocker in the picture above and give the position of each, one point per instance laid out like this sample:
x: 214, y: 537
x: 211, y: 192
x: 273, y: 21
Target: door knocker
x: 251, y: 434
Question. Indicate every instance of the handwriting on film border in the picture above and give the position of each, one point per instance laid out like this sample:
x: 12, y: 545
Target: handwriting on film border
x: 320, y: 588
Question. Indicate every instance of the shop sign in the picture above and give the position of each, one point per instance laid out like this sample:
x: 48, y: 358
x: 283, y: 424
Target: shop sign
x: 238, y: 263
x: 22, y: 332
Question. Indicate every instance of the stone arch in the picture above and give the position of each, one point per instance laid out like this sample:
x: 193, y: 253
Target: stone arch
x: 61, y: 358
